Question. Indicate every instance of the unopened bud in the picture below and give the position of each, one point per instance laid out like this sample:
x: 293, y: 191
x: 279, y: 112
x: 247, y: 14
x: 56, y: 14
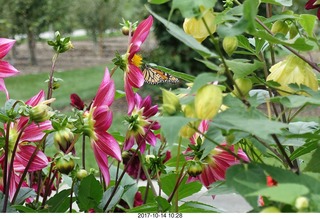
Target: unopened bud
x: 148, y: 157
x: 208, y: 101
x: 280, y: 27
x: 41, y: 112
x: 230, y: 44
x: 63, y: 139
x: 171, y: 103
x: 302, y: 203
x: 82, y: 173
x: 195, y: 168
x: 244, y: 85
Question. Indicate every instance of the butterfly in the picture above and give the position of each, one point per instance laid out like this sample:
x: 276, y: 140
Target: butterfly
x: 156, y: 76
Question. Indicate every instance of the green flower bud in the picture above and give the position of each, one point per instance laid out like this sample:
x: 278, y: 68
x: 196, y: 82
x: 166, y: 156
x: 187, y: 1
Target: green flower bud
x: 196, y: 27
x: 63, y: 139
x: 280, y: 27
x: 82, y: 173
x: 244, y: 84
x: 148, y: 157
x: 293, y: 31
x: 302, y: 203
x: 187, y: 131
x: 171, y: 103
x: 208, y: 101
x: 230, y: 44
x: 293, y: 70
x: 41, y: 112
x: 195, y: 168
x: 270, y: 209
x: 65, y: 165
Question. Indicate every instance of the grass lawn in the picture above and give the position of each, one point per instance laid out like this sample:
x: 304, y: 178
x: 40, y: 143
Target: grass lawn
x: 84, y: 82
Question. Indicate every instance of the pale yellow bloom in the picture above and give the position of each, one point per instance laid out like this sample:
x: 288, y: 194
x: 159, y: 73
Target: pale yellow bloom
x: 196, y: 27
x: 293, y: 70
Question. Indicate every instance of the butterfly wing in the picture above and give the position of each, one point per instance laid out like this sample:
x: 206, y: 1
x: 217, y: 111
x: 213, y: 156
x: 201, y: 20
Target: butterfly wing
x: 156, y: 76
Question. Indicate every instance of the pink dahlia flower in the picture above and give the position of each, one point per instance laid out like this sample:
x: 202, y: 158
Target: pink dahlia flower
x: 97, y: 120
x: 141, y: 127
x: 133, y: 75
x: 215, y: 165
x: 6, y: 70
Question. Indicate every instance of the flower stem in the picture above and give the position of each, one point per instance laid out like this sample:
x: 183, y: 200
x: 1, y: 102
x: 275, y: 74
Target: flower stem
x: 50, y: 83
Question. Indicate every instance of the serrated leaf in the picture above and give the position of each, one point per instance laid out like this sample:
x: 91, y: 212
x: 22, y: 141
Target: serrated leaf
x: 197, y: 207
x: 90, y: 193
x: 241, y: 68
x: 308, y: 23
x: 114, y: 199
x: 284, y: 192
x: 314, y: 164
x: 170, y: 126
x: 60, y: 202
x: 185, y: 190
x: 189, y: 7
x: 178, y: 33
x: 163, y: 204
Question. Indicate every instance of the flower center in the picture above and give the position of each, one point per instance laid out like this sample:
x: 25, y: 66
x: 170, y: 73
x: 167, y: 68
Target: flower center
x: 88, y: 127
x: 137, y: 122
x: 137, y: 60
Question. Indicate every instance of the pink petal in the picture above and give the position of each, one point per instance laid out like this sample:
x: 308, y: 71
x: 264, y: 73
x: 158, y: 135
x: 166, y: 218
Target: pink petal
x: 3, y: 88
x: 23, y: 156
x: 5, y: 46
x: 135, y: 76
x: 141, y: 142
x: 35, y: 132
x: 103, y: 117
x: 7, y: 70
x: 148, y: 112
x: 151, y: 138
x: 309, y: 4
x: 129, y: 96
x: 33, y: 101
x: 102, y: 161
x: 108, y: 145
x: 129, y: 142
x: 105, y: 94
x: 140, y: 34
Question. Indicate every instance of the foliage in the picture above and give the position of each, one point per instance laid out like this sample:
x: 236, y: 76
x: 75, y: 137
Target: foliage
x: 232, y: 128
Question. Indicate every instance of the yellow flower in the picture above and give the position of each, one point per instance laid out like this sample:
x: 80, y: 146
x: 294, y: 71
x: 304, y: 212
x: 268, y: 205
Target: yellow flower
x: 196, y: 27
x: 208, y: 101
x: 293, y: 70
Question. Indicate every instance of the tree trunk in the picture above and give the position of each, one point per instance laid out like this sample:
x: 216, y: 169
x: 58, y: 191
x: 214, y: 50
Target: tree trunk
x: 32, y: 47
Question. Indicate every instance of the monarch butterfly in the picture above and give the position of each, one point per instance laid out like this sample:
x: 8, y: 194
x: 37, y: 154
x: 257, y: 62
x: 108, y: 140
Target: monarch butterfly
x: 156, y: 76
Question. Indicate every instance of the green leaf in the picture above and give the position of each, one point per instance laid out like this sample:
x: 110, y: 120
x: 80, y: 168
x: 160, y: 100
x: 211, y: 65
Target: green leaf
x: 300, y: 43
x: 25, y: 193
x: 197, y: 207
x: 314, y: 164
x: 60, y: 202
x: 248, y: 121
x: 219, y: 188
x: 189, y: 8
x: 250, y: 10
x: 185, y: 189
x: 178, y: 33
x: 308, y: 23
x: 147, y: 208
x: 90, y: 193
x: 205, y: 78
x: 241, y: 68
x: 114, y: 200
x: 305, y: 149
x: 24, y: 209
x: 284, y: 192
x: 246, y: 179
x: 163, y: 204
x: 295, y: 101
x: 286, y: 3
x: 170, y: 126
x: 157, y: 2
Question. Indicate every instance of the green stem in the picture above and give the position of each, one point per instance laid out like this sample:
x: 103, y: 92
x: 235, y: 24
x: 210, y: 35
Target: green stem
x: 50, y: 83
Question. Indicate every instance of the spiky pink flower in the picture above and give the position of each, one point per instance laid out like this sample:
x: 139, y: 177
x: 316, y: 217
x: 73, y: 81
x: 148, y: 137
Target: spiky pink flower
x: 133, y: 77
x: 30, y: 133
x: 97, y: 120
x: 6, y: 70
x: 312, y: 4
x: 140, y: 129
x: 215, y: 165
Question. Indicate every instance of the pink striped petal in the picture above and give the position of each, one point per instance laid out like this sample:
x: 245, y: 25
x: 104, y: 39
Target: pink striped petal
x: 129, y: 96
x: 3, y: 88
x: 108, y: 145
x: 35, y: 100
x: 5, y: 46
x: 102, y: 161
x: 135, y: 76
x: 7, y: 70
x: 140, y: 34
x: 35, y: 132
